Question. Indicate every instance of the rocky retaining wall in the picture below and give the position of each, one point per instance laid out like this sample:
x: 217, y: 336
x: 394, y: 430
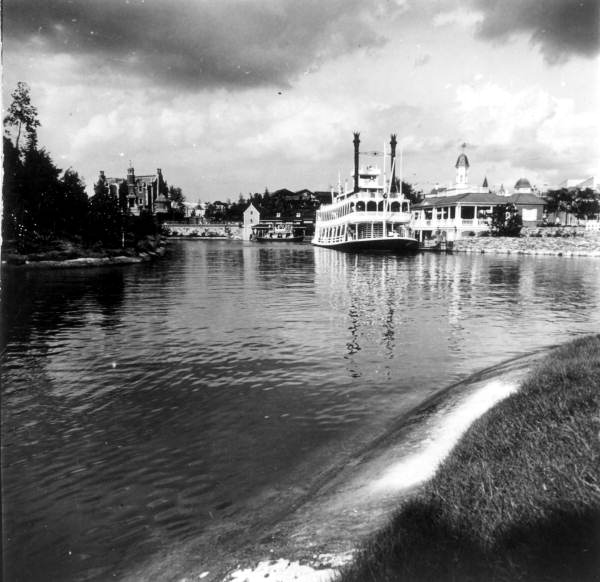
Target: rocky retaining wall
x: 232, y: 231
x: 564, y: 244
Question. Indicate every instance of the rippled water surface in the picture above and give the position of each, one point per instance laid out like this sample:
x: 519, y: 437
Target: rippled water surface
x: 152, y: 406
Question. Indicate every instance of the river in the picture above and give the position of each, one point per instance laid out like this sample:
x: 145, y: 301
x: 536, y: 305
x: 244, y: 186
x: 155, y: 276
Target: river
x: 162, y: 418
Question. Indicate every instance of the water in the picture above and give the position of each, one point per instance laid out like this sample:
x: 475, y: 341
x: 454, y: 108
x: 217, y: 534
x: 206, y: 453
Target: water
x: 170, y: 412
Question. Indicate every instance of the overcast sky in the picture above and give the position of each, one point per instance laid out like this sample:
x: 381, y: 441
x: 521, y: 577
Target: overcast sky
x: 232, y: 96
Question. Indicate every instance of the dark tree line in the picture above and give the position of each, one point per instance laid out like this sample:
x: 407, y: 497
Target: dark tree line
x: 40, y: 200
x: 583, y: 204
x: 43, y: 204
x: 275, y: 203
x: 270, y: 205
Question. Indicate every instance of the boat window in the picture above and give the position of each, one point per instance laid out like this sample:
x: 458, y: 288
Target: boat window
x: 360, y: 206
x: 371, y: 206
x: 395, y: 207
x: 380, y: 206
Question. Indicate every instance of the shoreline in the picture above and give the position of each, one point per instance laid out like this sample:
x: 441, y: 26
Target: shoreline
x: 21, y: 262
x: 570, y: 246
x: 359, y: 497
x: 516, y: 499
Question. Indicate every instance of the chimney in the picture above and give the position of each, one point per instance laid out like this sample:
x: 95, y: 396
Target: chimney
x: 393, y: 143
x: 356, y: 142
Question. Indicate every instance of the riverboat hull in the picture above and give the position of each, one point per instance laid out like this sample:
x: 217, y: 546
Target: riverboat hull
x: 289, y: 239
x: 382, y: 245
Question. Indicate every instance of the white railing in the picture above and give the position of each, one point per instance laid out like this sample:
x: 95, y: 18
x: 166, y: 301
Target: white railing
x: 367, y: 216
x: 449, y: 223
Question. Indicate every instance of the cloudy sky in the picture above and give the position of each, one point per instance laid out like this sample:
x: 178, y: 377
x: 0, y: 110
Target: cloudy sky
x: 232, y: 96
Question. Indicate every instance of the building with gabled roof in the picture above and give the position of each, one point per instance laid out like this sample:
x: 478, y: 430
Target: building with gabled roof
x: 147, y: 192
x: 464, y: 209
x: 251, y: 217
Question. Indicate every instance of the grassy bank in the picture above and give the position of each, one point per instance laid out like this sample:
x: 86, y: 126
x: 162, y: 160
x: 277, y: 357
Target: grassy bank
x: 518, y: 499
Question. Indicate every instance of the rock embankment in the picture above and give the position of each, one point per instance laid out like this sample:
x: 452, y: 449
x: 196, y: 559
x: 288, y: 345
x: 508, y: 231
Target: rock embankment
x: 64, y: 254
x: 561, y: 246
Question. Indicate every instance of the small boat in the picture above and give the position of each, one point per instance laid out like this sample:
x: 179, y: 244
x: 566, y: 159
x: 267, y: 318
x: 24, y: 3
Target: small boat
x: 277, y: 232
x: 372, y: 216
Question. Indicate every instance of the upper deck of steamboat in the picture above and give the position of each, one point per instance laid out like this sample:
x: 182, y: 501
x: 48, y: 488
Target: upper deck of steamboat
x: 372, y: 201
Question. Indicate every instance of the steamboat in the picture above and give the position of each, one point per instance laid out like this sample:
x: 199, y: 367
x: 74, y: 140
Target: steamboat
x: 277, y: 232
x: 372, y: 216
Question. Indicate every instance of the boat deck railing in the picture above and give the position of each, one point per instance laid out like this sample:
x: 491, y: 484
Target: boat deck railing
x: 367, y: 216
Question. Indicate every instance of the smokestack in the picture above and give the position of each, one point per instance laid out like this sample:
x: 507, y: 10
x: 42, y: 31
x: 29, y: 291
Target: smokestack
x: 393, y: 143
x: 356, y: 142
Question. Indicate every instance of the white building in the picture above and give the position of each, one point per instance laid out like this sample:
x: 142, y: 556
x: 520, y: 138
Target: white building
x: 251, y: 217
x: 463, y: 209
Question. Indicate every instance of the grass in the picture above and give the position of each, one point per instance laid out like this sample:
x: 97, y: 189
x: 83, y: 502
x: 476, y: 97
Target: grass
x: 519, y: 497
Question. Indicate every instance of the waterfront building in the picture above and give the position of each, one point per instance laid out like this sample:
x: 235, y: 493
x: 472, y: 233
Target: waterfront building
x: 251, y: 218
x: 465, y: 210
x: 529, y: 206
x: 144, y: 192
x: 456, y: 211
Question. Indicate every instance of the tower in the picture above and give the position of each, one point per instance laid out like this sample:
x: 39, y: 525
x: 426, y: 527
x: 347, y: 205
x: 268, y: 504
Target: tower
x: 462, y: 168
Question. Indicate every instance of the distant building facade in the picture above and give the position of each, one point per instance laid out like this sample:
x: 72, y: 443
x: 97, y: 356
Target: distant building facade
x: 147, y: 192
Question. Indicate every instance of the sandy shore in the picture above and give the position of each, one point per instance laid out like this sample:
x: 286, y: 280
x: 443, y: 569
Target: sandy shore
x: 574, y: 246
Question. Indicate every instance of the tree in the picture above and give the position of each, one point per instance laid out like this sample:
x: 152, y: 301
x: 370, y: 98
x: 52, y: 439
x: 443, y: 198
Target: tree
x: 506, y: 220
x: 177, y: 199
x: 409, y: 192
x: 123, y: 197
x: 585, y: 204
x: 105, y: 219
x: 22, y: 117
x: 559, y: 201
x: 11, y: 191
x: 73, y: 213
x: 40, y: 191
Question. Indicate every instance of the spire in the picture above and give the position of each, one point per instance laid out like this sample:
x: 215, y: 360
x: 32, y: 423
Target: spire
x: 485, y: 183
x: 462, y: 167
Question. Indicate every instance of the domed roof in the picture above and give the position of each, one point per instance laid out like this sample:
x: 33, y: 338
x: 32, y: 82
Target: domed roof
x: 462, y: 161
x: 522, y: 183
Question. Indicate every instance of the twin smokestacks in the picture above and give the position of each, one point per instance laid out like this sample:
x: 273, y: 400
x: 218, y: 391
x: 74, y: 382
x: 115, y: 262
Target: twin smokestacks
x: 393, y: 144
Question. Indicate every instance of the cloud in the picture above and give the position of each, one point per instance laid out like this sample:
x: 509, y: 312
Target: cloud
x: 527, y: 129
x: 561, y: 28
x: 459, y: 16
x: 197, y: 44
x: 422, y: 59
